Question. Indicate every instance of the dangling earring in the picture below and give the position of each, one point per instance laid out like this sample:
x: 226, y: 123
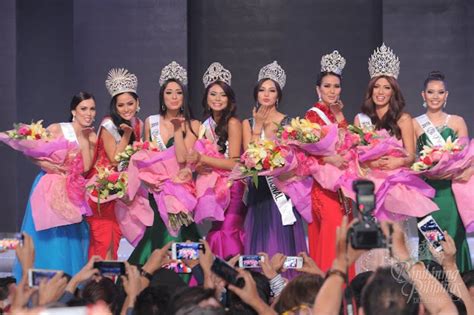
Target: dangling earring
x: 276, y: 104
x: 138, y: 109
x: 319, y: 98
x: 181, y: 109
x: 445, y: 102
x: 73, y: 117
x: 424, y: 104
x: 163, y: 108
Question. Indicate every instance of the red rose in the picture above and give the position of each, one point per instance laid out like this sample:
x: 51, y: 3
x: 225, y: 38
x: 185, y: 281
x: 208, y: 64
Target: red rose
x: 113, y: 177
x: 427, y: 160
x: 293, y: 134
x: 266, y: 163
x: 95, y: 193
x: 37, y: 136
x: 145, y: 146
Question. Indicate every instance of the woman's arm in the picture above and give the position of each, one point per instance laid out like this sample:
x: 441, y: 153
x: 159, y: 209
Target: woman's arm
x: 408, y: 137
x: 147, y: 130
x: 459, y: 125
x: 235, y: 146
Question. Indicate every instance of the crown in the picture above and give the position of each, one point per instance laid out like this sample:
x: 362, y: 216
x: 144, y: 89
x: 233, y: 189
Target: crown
x: 119, y: 80
x: 333, y: 62
x: 174, y: 71
x: 273, y: 71
x: 384, y: 62
x: 216, y: 72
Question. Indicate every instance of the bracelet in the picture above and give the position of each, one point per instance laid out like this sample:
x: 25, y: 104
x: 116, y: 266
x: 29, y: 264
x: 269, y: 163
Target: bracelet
x: 146, y: 274
x: 336, y: 272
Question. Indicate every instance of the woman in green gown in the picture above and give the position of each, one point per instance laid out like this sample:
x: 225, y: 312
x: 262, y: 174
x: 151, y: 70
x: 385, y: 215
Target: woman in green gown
x: 435, y: 95
x: 172, y: 126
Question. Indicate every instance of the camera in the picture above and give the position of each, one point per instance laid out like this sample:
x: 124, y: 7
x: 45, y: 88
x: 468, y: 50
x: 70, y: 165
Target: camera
x: 366, y: 233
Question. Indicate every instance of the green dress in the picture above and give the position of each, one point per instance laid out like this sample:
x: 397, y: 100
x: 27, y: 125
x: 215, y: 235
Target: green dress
x: 156, y: 236
x: 447, y: 216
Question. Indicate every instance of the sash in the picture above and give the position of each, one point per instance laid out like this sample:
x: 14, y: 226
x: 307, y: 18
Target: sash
x: 430, y: 130
x: 68, y: 132
x: 285, y: 206
x: 365, y: 122
x: 321, y: 114
x: 112, y: 129
x: 155, y: 132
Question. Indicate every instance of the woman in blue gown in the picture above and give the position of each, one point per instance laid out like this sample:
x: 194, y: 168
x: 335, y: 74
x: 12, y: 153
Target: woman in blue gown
x: 64, y: 247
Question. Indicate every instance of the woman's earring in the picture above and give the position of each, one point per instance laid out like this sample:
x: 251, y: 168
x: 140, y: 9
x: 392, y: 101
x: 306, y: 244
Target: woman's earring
x: 138, y: 109
x: 445, y: 102
x: 276, y: 104
x: 73, y: 117
x: 163, y: 108
x: 181, y: 109
x: 319, y: 98
x: 424, y: 104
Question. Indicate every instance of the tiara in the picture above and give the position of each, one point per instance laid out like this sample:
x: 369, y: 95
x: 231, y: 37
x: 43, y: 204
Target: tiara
x: 174, y: 71
x: 384, y: 62
x: 273, y: 71
x: 119, y: 80
x: 216, y: 72
x: 333, y: 62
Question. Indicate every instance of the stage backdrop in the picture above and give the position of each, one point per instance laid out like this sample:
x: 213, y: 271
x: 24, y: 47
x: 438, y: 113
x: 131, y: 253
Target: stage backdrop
x: 51, y: 49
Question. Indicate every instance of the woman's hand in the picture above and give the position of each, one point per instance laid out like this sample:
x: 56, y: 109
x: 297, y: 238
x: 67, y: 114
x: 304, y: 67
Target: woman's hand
x: 336, y: 160
x: 336, y: 108
x: 126, y: 129
x: 391, y: 162
x: 465, y: 175
x: 193, y: 157
x: 177, y: 123
x: 260, y: 116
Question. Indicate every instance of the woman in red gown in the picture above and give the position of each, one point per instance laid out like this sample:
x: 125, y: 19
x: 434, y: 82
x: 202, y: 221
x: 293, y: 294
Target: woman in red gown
x: 327, y: 206
x: 116, y: 131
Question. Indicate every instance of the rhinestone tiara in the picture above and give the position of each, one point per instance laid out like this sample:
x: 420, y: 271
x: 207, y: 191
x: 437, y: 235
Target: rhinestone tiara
x: 333, y: 62
x: 119, y: 80
x: 273, y: 71
x: 384, y: 62
x: 216, y: 72
x: 174, y: 71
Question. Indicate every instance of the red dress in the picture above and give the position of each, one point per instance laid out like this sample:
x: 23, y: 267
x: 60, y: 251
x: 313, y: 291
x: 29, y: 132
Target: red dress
x: 105, y: 232
x: 327, y: 210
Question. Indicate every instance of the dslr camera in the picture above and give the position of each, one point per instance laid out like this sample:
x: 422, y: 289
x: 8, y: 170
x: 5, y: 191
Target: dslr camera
x: 366, y: 233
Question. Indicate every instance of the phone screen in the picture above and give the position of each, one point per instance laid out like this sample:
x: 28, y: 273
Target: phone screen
x: 293, y: 262
x: 249, y: 261
x: 10, y: 241
x: 187, y: 250
x: 37, y: 275
x: 178, y: 266
x: 110, y: 268
x: 432, y: 232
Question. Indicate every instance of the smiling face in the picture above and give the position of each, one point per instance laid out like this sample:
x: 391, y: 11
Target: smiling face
x: 217, y: 99
x: 84, y: 113
x: 126, y: 106
x: 267, y: 93
x: 330, y: 89
x: 173, y: 96
x: 435, y: 95
x: 382, y: 92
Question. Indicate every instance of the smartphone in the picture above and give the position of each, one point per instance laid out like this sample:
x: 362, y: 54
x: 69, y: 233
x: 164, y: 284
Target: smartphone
x: 227, y: 272
x: 432, y: 232
x: 293, y: 262
x: 250, y: 261
x: 10, y: 241
x: 178, y: 266
x: 110, y: 267
x: 186, y: 250
x: 35, y: 276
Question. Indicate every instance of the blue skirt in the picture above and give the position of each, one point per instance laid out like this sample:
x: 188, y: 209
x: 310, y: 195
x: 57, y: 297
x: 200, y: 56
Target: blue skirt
x: 61, y: 248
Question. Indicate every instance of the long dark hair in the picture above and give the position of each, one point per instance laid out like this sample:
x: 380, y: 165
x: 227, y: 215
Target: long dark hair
x: 259, y: 85
x: 395, y: 107
x: 185, y: 109
x: 117, y: 119
x: 229, y: 111
x: 322, y: 74
x: 435, y: 76
x: 77, y: 99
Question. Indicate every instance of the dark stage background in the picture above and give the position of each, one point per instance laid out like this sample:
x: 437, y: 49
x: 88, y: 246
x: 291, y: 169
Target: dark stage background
x: 50, y: 49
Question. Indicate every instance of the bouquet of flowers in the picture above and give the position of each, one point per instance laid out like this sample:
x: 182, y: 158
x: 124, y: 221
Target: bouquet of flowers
x: 107, y: 185
x: 374, y: 144
x: 309, y: 137
x: 263, y: 156
x: 123, y: 158
x: 430, y: 156
x: 171, y: 186
x: 33, y: 131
